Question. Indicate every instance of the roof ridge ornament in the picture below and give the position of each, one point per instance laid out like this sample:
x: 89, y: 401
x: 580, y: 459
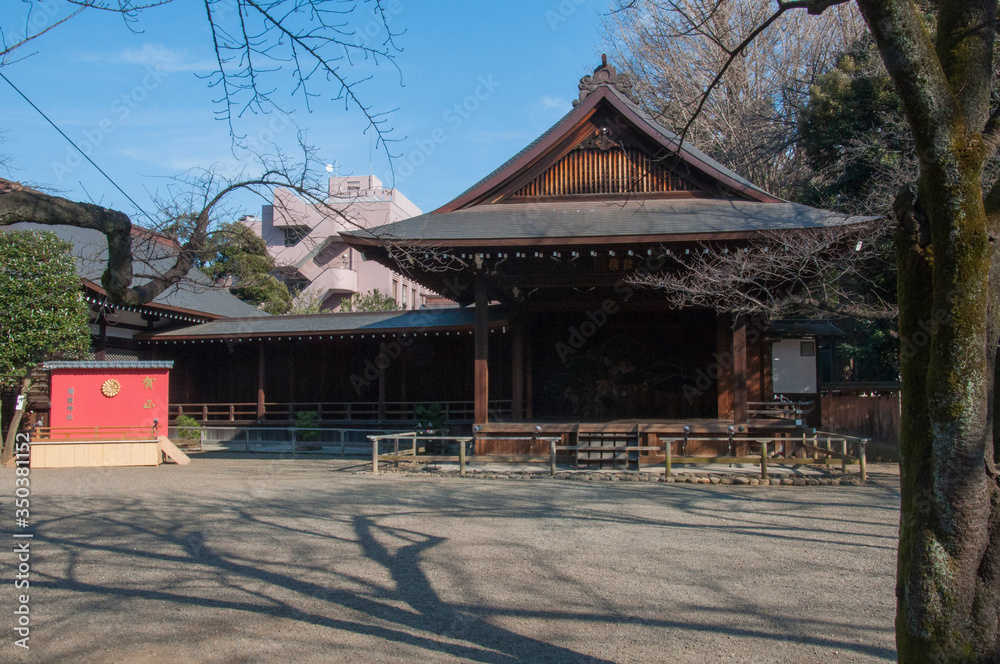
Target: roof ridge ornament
x: 605, y: 75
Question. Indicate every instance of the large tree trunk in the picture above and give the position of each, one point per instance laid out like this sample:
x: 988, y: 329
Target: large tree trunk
x: 947, y: 584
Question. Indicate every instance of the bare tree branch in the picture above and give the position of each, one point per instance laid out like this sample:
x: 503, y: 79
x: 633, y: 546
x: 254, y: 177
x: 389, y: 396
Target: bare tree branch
x: 782, y: 274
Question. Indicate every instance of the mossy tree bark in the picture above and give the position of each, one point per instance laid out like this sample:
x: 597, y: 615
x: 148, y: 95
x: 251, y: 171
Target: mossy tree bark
x: 948, y: 582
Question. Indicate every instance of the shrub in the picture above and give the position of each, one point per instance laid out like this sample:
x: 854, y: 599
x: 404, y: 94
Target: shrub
x: 187, y: 427
x: 306, y: 419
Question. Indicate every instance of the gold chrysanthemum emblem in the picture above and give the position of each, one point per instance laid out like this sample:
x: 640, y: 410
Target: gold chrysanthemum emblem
x: 111, y: 387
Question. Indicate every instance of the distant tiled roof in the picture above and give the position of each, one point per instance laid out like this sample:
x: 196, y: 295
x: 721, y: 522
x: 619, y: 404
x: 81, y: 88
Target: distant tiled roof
x: 196, y: 293
x: 119, y: 364
x: 593, y: 219
x: 791, y: 329
x: 381, y: 322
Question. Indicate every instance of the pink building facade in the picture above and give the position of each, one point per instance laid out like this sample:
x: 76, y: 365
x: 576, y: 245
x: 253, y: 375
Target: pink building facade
x: 313, y: 259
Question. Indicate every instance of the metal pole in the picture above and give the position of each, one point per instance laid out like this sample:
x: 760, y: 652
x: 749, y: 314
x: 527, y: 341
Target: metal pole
x: 843, y: 456
x: 343, y: 442
x: 461, y: 458
x: 246, y: 439
x: 552, y: 458
x: 374, y: 454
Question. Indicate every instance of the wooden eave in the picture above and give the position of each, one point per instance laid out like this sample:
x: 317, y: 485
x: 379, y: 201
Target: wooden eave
x: 361, y: 243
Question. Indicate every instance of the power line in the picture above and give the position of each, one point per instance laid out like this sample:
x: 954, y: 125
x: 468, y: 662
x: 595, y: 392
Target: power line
x: 70, y: 140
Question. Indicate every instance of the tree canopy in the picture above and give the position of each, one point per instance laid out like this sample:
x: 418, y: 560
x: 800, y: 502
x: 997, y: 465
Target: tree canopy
x: 41, y: 300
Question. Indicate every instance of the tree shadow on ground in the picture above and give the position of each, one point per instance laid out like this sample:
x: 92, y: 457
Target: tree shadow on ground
x: 196, y: 540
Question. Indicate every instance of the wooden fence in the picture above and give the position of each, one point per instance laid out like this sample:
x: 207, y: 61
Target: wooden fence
x: 865, y: 411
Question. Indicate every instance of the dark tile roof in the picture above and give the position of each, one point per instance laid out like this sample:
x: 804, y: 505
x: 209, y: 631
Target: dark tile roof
x: 582, y: 219
x: 791, y: 329
x: 111, y: 364
x: 421, y: 320
x: 195, y: 293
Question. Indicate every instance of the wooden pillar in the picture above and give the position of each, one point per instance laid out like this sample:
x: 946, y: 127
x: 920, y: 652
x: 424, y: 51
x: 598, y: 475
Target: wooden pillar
x: 528, y: 376
x: 102, y: 339
x: 381, y: 393
x: 740, y: 407
x: 482, y: 342
x: 517, y: 372
x: 724, y: 362
x: 260, y: 380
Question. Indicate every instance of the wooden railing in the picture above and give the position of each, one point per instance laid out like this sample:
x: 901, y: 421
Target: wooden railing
x: 336, y: 411
x: 794, y: 411
x: 826, y: 449
x: 92, y: 433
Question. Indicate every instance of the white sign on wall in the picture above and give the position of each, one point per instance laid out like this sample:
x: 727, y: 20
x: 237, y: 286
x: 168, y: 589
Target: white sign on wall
x: 793, y: 366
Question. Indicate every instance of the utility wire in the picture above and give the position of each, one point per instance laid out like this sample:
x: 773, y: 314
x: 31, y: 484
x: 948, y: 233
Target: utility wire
x: 70, y: 140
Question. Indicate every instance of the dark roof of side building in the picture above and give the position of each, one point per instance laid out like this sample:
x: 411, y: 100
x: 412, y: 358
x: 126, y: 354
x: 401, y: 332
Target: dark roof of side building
x: 196, y: 293
x: 375, y: 322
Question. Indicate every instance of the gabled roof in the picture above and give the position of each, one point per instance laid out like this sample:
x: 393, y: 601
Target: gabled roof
x: 536, y: 196
x: 610, y: 95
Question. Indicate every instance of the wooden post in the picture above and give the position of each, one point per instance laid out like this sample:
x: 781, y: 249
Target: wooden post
x: 843, y: 456
x: 740, y: 408
x: 552, y: 458
x: 517, y: 373
x: 102, y: 339
x: 260, y: 381
x: 482, y: 340
x: 666, y: 464
x: 763, y: 459
x: 724, y: 382
x: 528, y: 382
x: 461, y: 457
x: 381, y: 394
x: 862, y: 459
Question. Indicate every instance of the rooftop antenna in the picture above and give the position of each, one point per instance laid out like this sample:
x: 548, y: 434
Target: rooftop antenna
x: 370, y: 147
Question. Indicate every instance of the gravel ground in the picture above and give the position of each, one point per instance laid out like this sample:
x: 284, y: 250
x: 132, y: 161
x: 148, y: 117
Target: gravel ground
x: 305, y: 560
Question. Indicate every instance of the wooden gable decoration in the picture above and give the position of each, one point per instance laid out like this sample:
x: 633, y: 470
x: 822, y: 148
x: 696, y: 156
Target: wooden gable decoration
x: 607, y: 147
x: 606, y: 163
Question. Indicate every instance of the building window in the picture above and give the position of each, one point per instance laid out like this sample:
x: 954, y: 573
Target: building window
x: 294, y: 235
x: 395, y: 289
x: 405, y: 291
x: 807, y: 349
x: 353, y: 188
x: 413, y: 292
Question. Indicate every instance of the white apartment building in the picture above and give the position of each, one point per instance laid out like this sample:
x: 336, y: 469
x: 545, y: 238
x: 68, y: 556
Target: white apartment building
x: 312, y: 258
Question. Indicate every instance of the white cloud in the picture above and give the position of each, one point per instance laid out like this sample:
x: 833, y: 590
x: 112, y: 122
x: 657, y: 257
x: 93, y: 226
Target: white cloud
x: 165, y: 58
x: 553, y: 103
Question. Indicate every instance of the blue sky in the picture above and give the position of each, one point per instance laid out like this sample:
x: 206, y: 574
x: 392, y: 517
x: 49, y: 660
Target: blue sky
x: 477, y: 81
